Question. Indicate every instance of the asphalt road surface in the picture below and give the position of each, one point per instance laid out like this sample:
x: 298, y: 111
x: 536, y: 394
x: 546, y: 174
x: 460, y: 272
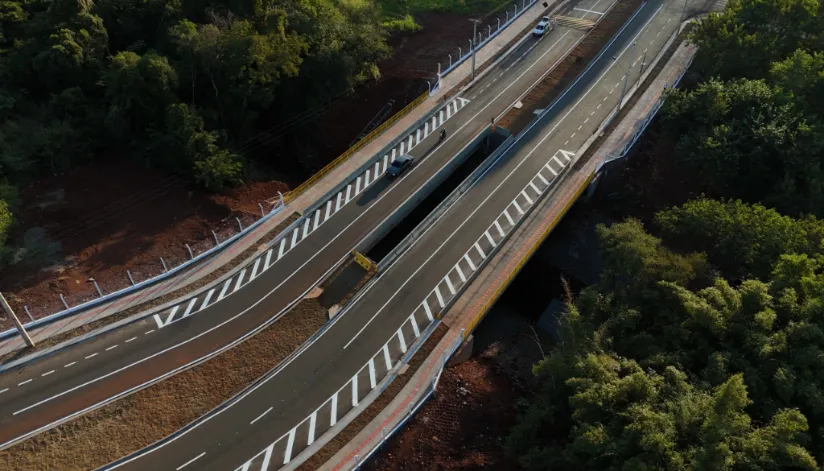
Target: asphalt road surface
x: 67, y: 383
x: 270, y: 425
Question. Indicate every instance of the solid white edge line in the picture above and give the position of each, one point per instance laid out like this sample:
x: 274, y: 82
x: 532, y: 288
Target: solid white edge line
x: 526, y: 158
x: 245, y: 310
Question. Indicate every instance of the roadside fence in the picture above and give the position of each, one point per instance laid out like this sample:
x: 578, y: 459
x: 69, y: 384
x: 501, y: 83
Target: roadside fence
x: 165, y: 266
x: 291, y: 195
x: 625, y: 145
x: 414, y: 407
x: 511, y: 14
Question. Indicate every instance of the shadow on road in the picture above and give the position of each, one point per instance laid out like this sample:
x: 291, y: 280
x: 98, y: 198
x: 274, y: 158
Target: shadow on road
x: 372, y: 193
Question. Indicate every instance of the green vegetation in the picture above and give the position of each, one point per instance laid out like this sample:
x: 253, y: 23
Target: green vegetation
x: 178, y: 86
x: 399, y: 8
x: 702, y: 346
x: 405, y: 24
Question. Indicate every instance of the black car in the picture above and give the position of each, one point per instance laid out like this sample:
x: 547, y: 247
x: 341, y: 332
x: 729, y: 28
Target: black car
x: 398, y: 166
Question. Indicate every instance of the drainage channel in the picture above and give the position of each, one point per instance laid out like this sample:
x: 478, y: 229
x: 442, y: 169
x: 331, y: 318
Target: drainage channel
x: 403, y: 228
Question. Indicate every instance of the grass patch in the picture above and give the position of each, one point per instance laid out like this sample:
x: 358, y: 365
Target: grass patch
x: 404, y: 24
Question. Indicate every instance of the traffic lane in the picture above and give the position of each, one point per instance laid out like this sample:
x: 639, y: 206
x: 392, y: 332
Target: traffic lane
x: 591, y: 10
x: 280, y: 412
x: 52, y: 365
x: 281, y: 418
x: 200, y: 334
x: 415, y: 273
x: 529, y: 158
x: 195, y: 324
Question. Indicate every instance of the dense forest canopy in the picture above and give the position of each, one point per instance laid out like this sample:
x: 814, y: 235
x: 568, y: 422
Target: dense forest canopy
x: 213, y: 90
x: 702, y: 346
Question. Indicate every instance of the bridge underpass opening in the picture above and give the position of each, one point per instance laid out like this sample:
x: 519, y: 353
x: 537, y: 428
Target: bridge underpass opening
x: 482, y: 150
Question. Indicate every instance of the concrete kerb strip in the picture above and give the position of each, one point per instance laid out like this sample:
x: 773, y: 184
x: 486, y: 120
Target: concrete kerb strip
x: 177, y: 370
x: 444, y: 205
x: 544, y: 200
x: 257, y: 224
x: 113, y: 296
x: 470, y: 180
x: 364, y: 403
x: 509, y: 51
x: 420, y: 396
x: 142, y: 315
x: 168, y: 305
x: 255, y: 384
x: 483, y: 43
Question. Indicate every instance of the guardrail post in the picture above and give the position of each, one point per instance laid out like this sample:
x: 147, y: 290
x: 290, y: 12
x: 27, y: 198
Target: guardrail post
x: 131, y: 280
x: 64, y: 301
x: 99, y: 291
x: 460, y: 53
x: 191, y: 255
x: 429, y: 86
x: 450, y: 61
x: 488, y: 30
x: 262, y: 213
x: 239, y: 223
x: 26, y: 308
x: 217, y: 242
x: 163, y: 262
x: 507, y: 17
x: 17, y: 322
x: 499, y: 23
x: 281, y: 199
x: 383, y: 434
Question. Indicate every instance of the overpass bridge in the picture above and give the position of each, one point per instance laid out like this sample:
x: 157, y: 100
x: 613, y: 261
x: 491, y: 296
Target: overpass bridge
x: 282, y: 418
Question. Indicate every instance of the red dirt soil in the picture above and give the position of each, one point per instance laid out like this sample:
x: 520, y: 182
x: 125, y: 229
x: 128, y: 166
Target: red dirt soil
x: 463, y: 427
x: 116, y: 216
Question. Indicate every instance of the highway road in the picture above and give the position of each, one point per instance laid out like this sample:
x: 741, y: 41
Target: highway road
x: 272, y: 423
x: 67, y: 383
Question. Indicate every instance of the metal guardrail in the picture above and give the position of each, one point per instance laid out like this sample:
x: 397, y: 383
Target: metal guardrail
x: 143, y: 284
x: 490, y: 35
x: 300, y: 189
x: 413, y: 409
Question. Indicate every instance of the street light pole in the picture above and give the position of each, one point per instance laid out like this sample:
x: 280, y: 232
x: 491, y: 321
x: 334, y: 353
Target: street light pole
x: 474, y: 42
x: 626, y: 78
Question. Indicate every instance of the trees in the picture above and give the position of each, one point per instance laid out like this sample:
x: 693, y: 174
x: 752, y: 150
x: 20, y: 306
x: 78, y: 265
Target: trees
x: 743, y: 40
x: 181, y: 86
x: 684, y: 373
x: 138, y: 90
x: 743, y: 240
x: 747, y: 139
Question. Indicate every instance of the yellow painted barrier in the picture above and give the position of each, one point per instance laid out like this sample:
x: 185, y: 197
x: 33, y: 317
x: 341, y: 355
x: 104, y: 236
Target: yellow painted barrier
x: 477, y: 319
x: 365, y: 262
x: 291, y: 195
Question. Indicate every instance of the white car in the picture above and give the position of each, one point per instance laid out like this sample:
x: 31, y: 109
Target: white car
x: 542, y: 27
